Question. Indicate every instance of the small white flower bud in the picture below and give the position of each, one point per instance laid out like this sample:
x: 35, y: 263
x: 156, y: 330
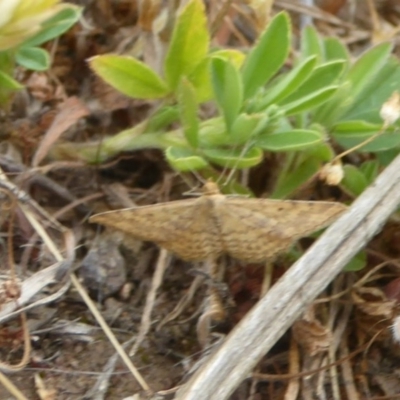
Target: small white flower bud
x: 390, y: 110
x: 332, y: 174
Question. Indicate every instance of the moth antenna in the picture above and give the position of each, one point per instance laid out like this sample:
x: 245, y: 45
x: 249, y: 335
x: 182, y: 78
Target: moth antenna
x: 193, y: 190
x: 199, y: 177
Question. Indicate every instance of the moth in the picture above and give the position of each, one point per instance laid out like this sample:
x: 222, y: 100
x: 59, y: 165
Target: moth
x: 251, y: 230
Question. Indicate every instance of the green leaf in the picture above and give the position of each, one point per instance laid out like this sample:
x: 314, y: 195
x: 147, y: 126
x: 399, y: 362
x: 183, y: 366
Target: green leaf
x: 201, y: 80
x: 386, y: 141
x: 330, y: 112
x: 294, y: 140
x: 368, y: 66
x: 268, y: 55
x: 188, y: 111
x: 375, y: 93
x: 129, y: 75
x: 213, y: 133
x: 369, y: 83
x: 189, y: 43
x: 311, y: 44
x: 236, y: 57
x: 55, y: 26
x: 322, y: 76
x: 33, y: 58
x: 357, y: 263
x: 386, y: 157
x: 271, y: 118
x: 228, y: 89
x: 297, y: 177
x: 351, y: 133
x: 201, y: 77
x: 7, y: 82
x: 234, y: 158
x: 288, y: 84
x: 370, y: 169
x: 162, y: 118
x: 308, y: 102
x: 243, y: 128
x: 354, y: 180
x: 321, y: 151
x: 335, y: 50
x: 357, y: 127
x: 182, y: 159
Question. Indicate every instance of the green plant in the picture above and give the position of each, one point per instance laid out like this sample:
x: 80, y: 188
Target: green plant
x: 323, y: 101
x: 24, y: 26
x: 250, y: 119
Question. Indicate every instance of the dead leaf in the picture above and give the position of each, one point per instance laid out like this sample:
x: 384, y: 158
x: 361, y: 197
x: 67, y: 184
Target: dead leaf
x: 70, y: 112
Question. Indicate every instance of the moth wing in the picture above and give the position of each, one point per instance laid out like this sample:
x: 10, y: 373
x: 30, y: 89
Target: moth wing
x: 254, y: 230
x: 183, y: 227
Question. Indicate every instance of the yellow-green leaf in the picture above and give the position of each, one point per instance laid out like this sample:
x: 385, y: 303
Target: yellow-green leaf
x: 129, y: 75
x: 189, y: 43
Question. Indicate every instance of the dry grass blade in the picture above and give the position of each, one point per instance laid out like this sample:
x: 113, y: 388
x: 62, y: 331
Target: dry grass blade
x: 11, y: 387
x: 183, y: 302
x: 109, y: 333
x: 262, y: 326
x: 30, y: 288
x: 145, y: 323
x: 313, y: 12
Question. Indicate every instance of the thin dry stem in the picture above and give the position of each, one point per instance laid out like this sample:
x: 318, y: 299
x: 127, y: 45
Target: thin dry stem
x: 145, y: 324
x: 347, y: 373
x: 5, y: 367
x: 12, y: 389
x: 358, y: 146
x: 111, y: 337
x: 183, y: 303
x: 293, y: 388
